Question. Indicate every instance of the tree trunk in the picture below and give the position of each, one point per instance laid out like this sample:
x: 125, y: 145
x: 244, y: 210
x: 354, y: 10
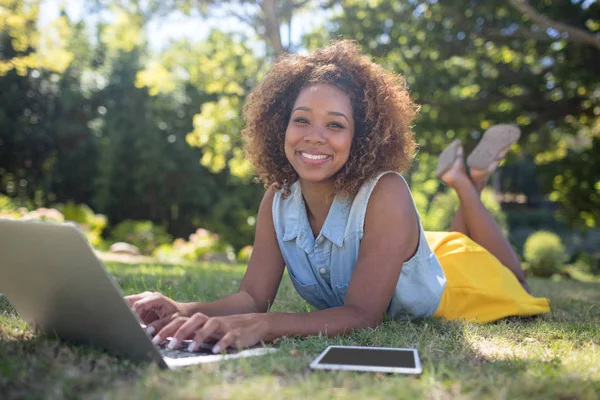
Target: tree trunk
x: 272, y: 33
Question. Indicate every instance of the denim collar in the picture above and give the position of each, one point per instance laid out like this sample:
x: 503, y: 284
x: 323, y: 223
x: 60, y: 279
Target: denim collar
x: 297, y: 225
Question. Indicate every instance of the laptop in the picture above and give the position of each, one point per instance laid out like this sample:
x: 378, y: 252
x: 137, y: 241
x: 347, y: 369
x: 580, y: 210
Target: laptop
x: 52, y: 277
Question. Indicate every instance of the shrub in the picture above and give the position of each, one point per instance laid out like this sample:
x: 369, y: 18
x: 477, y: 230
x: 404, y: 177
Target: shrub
x: 200, y: 243
x: 143, y: 234
x: 244, y: 254
x: 167, y: 253
x: 545, y: 254
x: 6, y: 204
x: 589, y: 263
x: 91, y: 224
x: 204, y: 245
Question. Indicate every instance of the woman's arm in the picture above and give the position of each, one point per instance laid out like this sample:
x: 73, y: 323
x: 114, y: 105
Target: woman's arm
x: 257, y: 290
x: 263, y: 276
x: 391, y: 237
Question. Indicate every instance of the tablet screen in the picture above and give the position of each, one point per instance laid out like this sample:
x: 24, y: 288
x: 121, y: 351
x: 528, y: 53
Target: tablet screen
x: 370, y: 357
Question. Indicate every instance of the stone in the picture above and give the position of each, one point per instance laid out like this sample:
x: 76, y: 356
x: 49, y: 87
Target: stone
x: 124, y: 248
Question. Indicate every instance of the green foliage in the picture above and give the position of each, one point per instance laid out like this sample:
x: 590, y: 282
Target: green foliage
x: 201, y: 245
x: 471, y: 64
x: 125, y: 34
x: 225, y: 68
x: 215, y: 129
x: 6, y: 204
x: 440, y: 212
x: 46, y: 155
x: 574, y: 181
x: 244, y: 254
x: 90, y: 136
x: 145, y: 235
x: 92, y: 224
x: 544, y: 253
x: 32, y: 48
x: 166, y: 252
x: 589, y: 263
x: 147, y: 170
x: 103, y: 121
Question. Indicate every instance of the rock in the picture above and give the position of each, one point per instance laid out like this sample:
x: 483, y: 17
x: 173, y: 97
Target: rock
x: 217, y: 257
x: 124, y: 248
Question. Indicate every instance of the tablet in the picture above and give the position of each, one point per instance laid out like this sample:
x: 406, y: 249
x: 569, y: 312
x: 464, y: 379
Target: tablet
x: 369, y: 359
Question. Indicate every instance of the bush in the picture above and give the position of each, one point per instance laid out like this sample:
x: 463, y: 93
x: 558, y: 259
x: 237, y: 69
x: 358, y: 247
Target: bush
x: 244, y: 254
x: 545, y: 254
x: 143, y: 234
x: 6, y: 204
x: 589, y: 263
x: 204, y: 245
x: 91, y: 224
x: 167, y: 253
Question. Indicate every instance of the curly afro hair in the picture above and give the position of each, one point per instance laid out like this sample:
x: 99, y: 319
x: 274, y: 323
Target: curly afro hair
x: 382, y: 109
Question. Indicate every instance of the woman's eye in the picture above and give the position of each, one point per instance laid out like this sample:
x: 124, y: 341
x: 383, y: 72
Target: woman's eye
x: 336, y: 125
x: 301, y: 120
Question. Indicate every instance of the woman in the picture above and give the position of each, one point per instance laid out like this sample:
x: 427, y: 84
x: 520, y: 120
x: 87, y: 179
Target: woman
x: 328, y: 134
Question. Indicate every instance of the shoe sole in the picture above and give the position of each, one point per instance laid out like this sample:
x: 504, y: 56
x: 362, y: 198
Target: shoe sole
x: 447, y: 158
x: 494, y: 141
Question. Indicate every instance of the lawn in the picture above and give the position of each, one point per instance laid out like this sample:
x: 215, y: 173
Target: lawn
x: 555, y: 356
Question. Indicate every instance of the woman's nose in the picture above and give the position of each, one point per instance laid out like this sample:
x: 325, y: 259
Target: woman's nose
x: 315, y: 136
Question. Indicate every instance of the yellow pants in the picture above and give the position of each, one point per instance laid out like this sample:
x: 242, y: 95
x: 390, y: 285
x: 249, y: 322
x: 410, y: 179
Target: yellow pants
x: 479, y: 288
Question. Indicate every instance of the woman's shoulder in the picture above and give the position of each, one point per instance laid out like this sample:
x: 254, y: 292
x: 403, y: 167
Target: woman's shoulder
x: 386, y: 194
x: 383, y: 187
x: 390, y: 191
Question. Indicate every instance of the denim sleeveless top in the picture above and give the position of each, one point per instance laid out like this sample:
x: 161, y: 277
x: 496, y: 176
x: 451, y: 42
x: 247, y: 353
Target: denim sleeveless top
x: 321, y: 268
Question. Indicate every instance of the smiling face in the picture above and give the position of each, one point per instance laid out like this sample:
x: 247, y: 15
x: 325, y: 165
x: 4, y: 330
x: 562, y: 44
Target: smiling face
x: 319, y: 133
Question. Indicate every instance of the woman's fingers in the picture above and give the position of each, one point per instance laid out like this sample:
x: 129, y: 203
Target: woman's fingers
x: 231, y: 339
x: 187, y: 329
x: 211, y: 328
x: 149, y: 316
x: 136, y: 297
x: 169, y: 329
x: 155, y: 301
x: 159, y: 324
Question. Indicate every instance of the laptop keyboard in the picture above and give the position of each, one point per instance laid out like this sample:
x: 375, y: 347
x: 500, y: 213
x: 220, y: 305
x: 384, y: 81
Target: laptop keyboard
x: 182, y: 352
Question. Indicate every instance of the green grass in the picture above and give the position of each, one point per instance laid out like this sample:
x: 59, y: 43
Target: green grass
x: 555, y: 356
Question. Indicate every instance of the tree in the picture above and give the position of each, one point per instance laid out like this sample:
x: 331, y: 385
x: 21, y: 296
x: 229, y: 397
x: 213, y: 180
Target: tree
x: 24, y: 47
x: 265, y: 17
x: 471, y: 64
x: 43, y: 132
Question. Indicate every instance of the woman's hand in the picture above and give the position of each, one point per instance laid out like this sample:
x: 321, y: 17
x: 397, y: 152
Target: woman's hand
x: 237, y: 331
x: 154, y: 309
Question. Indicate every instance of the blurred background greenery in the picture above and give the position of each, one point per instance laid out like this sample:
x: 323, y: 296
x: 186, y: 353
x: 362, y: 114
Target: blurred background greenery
x: 125, y: 116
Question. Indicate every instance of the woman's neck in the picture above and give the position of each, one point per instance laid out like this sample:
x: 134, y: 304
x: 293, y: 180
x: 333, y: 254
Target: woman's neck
x: 318, y: 198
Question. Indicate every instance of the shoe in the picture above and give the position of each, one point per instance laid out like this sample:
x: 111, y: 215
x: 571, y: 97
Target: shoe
x: 447, y: 158
x: 494, y: 144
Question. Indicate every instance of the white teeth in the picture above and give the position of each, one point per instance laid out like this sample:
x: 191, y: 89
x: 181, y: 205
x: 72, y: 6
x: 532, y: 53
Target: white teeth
x: 314, y: 156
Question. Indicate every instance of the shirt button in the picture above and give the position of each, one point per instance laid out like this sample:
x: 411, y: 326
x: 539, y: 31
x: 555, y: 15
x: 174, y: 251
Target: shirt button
x: 320, y: 240
x: 323, y: 271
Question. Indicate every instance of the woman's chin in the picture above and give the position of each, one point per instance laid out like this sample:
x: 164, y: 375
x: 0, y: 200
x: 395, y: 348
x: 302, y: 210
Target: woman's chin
x: 316, y: 178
